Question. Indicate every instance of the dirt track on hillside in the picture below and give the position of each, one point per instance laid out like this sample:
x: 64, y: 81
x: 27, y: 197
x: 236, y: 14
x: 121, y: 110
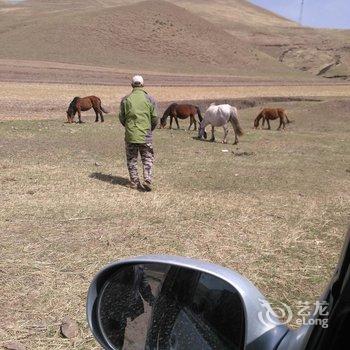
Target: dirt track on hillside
x: 51, y: 72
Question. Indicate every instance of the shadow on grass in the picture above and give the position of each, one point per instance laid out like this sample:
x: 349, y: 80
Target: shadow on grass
x: 114, y: 180
x: 204, y: 140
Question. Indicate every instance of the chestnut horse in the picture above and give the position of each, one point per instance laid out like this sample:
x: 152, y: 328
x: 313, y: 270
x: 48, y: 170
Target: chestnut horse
x: 272, y: 114
x: 84, y: 104
x: 181, y: 111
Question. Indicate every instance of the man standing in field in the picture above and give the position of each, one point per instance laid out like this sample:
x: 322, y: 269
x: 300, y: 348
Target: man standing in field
x: 138, y: 115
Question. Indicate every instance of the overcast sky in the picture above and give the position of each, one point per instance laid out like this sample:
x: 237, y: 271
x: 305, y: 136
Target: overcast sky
x: 317, y: 13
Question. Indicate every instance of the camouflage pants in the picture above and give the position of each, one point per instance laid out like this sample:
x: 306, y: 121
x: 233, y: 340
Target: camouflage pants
x: 147, y: 158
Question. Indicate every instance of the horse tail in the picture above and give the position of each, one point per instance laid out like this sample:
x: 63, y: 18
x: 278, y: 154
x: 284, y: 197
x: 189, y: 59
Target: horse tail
x: 99, y: 103
x: 288, y: 121
x: 235, y: 123
x: 199, y: 113
x: 282, y: 113
x: 103, y: 110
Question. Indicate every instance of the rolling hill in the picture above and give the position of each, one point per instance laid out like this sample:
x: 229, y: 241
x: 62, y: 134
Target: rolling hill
x: 148, y: 35
x: 323, y: 52
x: 199, y: 37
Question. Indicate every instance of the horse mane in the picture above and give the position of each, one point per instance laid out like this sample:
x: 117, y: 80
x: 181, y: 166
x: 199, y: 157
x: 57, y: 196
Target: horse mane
x: 166, y: 112
x: 257, y: 119
x: 73, y: 104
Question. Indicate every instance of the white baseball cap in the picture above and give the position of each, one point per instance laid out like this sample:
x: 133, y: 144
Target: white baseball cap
x: 137, y: 80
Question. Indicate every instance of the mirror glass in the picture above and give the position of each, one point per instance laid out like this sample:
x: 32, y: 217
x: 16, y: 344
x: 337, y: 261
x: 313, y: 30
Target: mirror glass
x: 160, y: 306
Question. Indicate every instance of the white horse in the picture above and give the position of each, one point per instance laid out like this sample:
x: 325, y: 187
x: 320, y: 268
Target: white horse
x: 220, y: 115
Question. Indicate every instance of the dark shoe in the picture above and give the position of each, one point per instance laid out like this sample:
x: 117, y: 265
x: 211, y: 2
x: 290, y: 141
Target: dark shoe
x: 136, y: 186
x: 147, y: 186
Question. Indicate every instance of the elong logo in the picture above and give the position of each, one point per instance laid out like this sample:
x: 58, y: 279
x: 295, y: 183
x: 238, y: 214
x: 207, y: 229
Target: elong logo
x: 283, y: 314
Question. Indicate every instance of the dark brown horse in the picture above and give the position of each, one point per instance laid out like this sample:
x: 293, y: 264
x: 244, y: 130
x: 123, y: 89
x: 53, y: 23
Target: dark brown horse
x: 181, y: 111
x: 272, y: 114
x: 83, y: 104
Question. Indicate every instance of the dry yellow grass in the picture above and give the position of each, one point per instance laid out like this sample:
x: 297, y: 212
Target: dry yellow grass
x: 277, y: 216
x: 35, y: 91
x: 41, y: 101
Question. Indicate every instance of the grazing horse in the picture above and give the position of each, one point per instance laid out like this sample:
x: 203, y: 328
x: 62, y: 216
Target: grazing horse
x: 84, y: 104
x: 181, y: 111
x: 272, y: 114
x: 220, y: 115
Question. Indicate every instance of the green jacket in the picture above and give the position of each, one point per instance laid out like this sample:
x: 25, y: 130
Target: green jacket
x: 138, y: 114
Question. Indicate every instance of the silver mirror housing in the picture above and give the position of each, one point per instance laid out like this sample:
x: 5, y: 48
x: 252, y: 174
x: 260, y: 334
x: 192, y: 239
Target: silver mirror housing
x: 259, y: 332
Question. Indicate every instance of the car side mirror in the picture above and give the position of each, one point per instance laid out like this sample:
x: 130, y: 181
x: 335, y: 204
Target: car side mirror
x: 166, y: 302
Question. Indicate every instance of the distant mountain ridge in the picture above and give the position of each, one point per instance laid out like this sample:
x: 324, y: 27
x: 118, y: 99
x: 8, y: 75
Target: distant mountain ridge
x: 200, y: 37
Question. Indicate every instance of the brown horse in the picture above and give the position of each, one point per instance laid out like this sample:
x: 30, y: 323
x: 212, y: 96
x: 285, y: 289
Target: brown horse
x: 181, y: 111
x: 272, y: 114
x: 84, y: 104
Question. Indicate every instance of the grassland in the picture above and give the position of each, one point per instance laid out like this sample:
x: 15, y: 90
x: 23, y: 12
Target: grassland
x: 274, y: 208
x: 276, y: 215
x: 43, y: 101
